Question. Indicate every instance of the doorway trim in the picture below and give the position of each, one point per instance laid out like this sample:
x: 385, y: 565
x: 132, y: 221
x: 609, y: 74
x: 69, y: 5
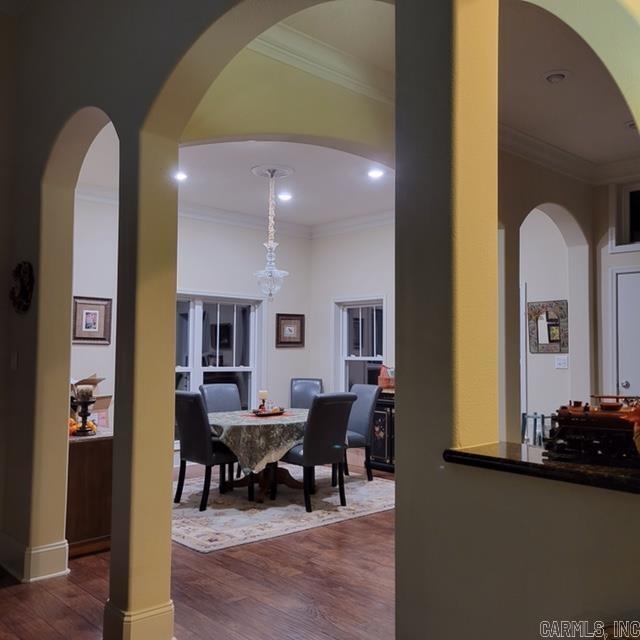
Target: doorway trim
x: 611, y: 379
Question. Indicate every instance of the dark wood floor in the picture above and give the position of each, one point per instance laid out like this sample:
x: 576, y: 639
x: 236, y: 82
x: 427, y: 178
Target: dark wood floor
x: 334, y: 582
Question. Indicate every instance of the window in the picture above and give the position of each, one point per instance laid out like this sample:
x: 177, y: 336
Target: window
x: 626, y: 234
x: 362, y: 342
x: 215, y: 342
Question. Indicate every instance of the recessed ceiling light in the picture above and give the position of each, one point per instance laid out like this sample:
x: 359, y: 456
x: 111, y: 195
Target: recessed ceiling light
x: 631, y: 124
x: 180, y: 176
x: 284, y: 196
x: 375, y: 174
x: 556, y: 76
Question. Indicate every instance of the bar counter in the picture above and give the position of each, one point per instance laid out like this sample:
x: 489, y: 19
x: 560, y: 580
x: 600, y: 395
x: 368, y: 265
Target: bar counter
x: 527, y: 460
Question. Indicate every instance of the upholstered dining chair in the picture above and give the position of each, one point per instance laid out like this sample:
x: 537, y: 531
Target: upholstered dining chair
x: 303, y: 390
x: 198, y: 445
x: 222, y: 396
x: 324, y: 440
x: 360, y: 427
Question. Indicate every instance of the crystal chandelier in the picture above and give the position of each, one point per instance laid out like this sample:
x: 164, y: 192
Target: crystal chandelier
x: 270, y: 278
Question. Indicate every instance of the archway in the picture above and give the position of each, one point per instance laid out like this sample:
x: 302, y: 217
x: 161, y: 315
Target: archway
x: 47, y: 547
x: 554, y: 271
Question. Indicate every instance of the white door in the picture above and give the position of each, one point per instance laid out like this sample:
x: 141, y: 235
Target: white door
x: 628, y: 307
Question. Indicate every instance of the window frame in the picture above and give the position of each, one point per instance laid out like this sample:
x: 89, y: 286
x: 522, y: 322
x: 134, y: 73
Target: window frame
x: 341, y: 335
x: 257, y: 339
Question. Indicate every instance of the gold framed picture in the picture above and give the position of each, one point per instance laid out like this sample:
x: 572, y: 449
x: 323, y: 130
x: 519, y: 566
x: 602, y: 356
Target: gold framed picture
x: 91, y: 320
x: 289, y: 330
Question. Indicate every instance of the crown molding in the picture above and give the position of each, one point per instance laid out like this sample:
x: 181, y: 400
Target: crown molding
x: 535, y: 150
x: 297, y: 49
x: 522, y: 144
x: 106, y: 196
x: 349, y: 225
x: 242, y: 220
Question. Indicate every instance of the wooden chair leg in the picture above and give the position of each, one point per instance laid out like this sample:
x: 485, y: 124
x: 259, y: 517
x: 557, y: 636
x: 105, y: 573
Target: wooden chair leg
x: 222, y: 487
x: 273, y: 479
x: 334, y: 474
x: 180, y: 487
x: 307, y: 488
x: 367, y: 463
x: 250, y: 487
x: 238, y: 471
x: 230, y: 485
x: 205, y: 489
x: 343, y: 499
x: 313, y: 481
x: 345, y: 464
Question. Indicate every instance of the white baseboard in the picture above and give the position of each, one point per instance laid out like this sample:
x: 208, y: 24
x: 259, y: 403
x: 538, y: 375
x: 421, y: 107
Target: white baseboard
x: 31, y: 564
x: 154, y: 622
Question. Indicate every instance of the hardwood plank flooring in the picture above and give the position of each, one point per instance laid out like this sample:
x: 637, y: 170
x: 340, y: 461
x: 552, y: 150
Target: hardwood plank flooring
x: 331, y: 583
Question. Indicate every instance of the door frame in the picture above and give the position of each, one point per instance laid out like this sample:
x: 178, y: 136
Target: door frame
x: 611, y: 380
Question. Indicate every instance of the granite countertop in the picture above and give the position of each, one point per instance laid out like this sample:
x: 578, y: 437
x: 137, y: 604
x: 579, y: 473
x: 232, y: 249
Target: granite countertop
x: 101, y: 434
x: 528, y: 460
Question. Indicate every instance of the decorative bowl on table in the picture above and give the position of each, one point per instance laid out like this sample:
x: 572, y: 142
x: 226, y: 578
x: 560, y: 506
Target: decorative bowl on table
x: 268, y: 413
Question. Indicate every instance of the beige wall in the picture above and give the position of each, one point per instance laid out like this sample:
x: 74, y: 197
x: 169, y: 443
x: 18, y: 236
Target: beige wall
x: 7, y: 114
x: 544, y: 271
x: 468, y: 539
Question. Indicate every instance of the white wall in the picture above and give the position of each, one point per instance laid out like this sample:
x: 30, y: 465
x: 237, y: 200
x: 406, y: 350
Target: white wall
x: 544, y: 270
x: 348, y: 266
x: 220, y: 259
x: 95, y: 254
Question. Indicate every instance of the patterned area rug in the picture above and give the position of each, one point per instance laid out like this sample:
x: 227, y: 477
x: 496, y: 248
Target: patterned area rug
x: 232, y: 520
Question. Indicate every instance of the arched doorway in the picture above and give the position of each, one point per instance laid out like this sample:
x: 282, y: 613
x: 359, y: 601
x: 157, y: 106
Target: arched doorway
x: 48, y: 546
x: 555, y: 279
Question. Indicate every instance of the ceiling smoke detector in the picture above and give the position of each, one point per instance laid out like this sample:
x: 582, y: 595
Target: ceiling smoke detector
x: 556, y: 76
x: 631, y: 124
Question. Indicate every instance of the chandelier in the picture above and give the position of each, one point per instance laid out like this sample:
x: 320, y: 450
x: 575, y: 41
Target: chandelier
x: 270, y: 278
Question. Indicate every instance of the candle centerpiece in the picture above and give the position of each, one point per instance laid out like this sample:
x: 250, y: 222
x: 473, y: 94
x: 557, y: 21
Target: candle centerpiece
x: 263, y: 394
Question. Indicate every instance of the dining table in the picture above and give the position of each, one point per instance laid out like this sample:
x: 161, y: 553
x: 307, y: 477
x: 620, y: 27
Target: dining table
x: 260, y: 442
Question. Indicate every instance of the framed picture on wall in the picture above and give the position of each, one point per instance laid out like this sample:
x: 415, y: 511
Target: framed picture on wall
x: 548, y: 326
x: 91, y: 320
x: 289, y: 330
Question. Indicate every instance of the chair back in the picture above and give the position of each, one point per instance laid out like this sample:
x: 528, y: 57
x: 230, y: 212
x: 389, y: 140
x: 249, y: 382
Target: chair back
x: 326, y: 431
x: 361, y: 417
x: 221, y: 397
x: 194, y: 431
x: 303, y: 391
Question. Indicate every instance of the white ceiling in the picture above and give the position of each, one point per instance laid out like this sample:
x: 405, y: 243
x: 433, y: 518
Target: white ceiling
x: 327, y: 185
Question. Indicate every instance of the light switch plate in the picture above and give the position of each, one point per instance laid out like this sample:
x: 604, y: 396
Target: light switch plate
x: 562, y: 362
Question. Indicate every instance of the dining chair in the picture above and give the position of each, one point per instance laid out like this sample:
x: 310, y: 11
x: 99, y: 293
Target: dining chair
x: 324, y: 440
x: 303, y: 390
x: 198, y: 445
x: 360, y: 427
x: 222, y: 396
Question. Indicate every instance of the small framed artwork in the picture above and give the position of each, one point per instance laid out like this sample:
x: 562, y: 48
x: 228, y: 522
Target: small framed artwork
x: 548, y: 324
x: 91, y: 320
x: 289, y: 330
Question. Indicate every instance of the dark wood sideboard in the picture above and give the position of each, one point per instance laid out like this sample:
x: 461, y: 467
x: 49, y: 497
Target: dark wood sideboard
x: 382, y: 446
x: 89, y: 494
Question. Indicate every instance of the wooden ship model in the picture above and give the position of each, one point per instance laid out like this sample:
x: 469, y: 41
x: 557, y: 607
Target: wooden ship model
x: 605, y: 433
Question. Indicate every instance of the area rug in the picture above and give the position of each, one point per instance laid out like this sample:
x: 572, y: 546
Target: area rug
x: 232, y: 520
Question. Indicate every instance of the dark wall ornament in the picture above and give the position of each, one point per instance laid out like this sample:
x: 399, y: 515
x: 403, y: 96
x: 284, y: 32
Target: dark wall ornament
x: 21, y: 291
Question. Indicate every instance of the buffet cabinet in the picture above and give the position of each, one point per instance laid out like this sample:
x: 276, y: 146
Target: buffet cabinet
x: 89, y: 494
x: 382, y: 444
